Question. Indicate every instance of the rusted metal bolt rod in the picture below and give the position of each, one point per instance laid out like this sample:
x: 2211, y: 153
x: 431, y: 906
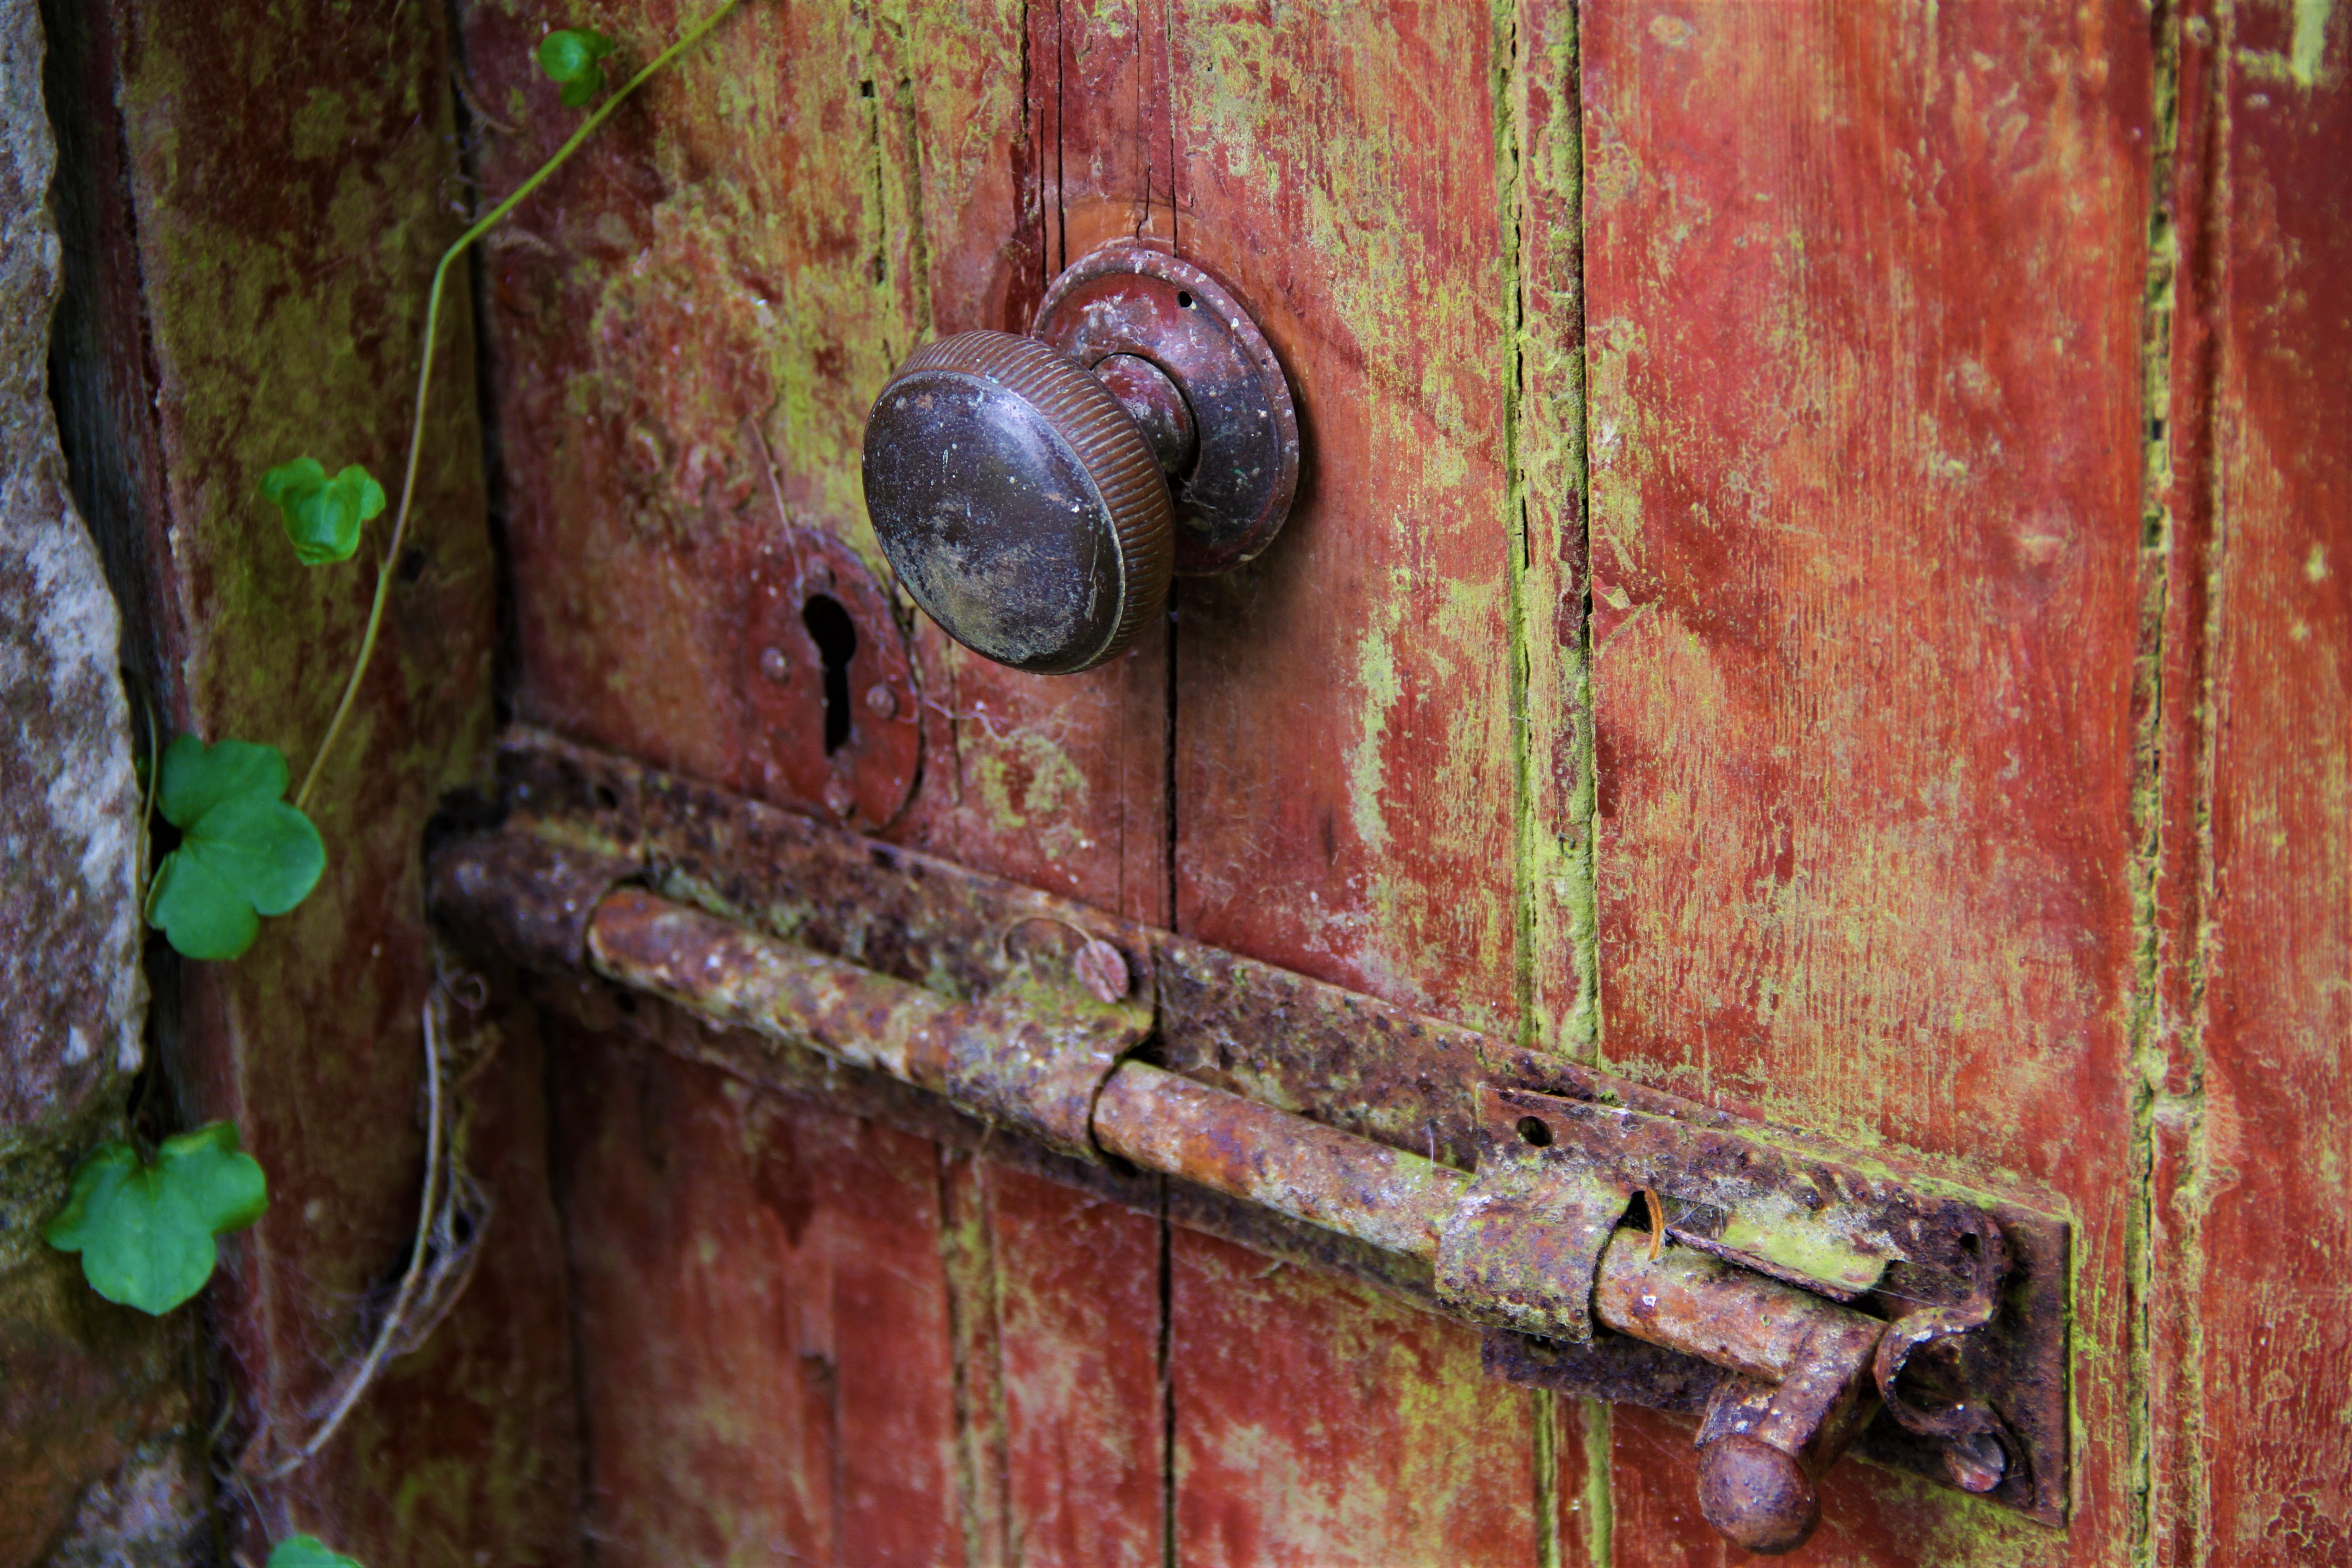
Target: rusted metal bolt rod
x: 1246, y: 1150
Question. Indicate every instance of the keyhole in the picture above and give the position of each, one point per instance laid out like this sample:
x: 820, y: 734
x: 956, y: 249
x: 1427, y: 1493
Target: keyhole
x: 836, y: 635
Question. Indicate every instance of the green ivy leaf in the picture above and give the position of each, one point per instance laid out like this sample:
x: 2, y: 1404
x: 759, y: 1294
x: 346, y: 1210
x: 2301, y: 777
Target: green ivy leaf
x: 570, y: 54
x: 145, y: 1232
x: 308, y: 1552
x: 323, y: 516
x: 243, y: 851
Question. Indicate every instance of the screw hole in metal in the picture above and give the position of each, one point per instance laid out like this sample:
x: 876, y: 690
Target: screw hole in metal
x: 836, y: 635
x: 1534, y: 1131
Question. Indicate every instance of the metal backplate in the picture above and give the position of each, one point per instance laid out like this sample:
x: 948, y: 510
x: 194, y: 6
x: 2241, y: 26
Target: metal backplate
x: 1832, y: 1220
x: 1129, y: 299
x: 826, y: 684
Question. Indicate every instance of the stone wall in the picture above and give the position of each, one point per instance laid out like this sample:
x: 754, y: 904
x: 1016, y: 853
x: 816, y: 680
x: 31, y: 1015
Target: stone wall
x: 96, y: 1465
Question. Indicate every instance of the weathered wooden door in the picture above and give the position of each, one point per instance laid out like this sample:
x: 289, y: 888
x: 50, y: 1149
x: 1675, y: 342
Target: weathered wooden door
x: 1819, y: 584
x: 1816, y: 585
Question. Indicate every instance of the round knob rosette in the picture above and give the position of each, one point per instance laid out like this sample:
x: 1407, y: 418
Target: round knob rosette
x: 1019, y: 503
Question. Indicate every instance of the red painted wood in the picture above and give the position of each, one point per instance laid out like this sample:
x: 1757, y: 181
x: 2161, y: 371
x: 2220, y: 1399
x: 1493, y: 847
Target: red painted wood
x: 1345, y: 769
x: 758, y: 243
x: 681, y: 281
x: 1343, y: 740
x: 1078, y: 1313
x: 1107, y: 144
x: 1320, y: 1424
x: 2250, y: 1219
x: 1059, y: 782
x: 764, y: 1310
x: 1864, y: 299
x: 1902, y: 751
x: 1580, y: 1501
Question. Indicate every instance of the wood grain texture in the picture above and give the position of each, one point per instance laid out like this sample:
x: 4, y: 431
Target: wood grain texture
x: 762, y: 1308
x: 268, y: 194
x: 1346, y: 763
x: 757, y: 244
x: 1077, y: 1284
x: 1582, y: 1518
x: 723, y: 254
x: 2248, y: 1103
x: 1320, y: 1424
x: 1863, y: 304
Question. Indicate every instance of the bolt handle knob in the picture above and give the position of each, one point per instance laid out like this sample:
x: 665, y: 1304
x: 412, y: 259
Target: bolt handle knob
x: 1035, y: 494
x: 1756, y: 1496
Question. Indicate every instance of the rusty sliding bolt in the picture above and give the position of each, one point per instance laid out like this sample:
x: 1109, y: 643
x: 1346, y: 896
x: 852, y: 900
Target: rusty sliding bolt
x: 1387, y: 1197
x: 1032, y: 1060
x: 1805, y: 1392
x: 1804, y: 1361
x: 1529, y: 1242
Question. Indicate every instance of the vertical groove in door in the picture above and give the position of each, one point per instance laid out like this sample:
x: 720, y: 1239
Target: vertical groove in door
x: 1162, y: 126
x: 1168, y: 1553
x: 1539, y: 176
x: 1539, y: 151
x: 2152, y: 699
x: 975, y: 1330
x: 1511, y: 109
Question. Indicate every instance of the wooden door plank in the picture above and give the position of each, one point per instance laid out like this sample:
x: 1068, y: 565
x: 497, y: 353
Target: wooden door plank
x: 758, y: 243
x: 1061, y: 783
x: 1108, y: 154
x: 1345, y: 762
x: 723, y: 254
x: 1078, y: 1305
x: 1320, y: 1424
x: 762, y: 1316
x: 731, y: 251
x: 2252, y: 1206
x: 1864, y: 298
x: 1058, y: 782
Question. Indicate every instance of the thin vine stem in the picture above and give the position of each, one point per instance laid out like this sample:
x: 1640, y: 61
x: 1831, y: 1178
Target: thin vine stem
x: 427, y: 1207
x: 482, y: 226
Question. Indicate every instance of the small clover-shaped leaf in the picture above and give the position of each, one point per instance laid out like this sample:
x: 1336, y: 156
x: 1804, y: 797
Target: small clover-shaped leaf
x: 570, y: 54
x: 244, y: 852
x: 323, y: 516
x: 145, y: 1232
x: 308, y: 1552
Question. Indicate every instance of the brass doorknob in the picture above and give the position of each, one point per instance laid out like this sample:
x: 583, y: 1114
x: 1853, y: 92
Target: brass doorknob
x: 1035, y: 494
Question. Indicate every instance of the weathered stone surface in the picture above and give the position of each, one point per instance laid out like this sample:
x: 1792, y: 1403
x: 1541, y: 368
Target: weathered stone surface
x: 85, y: 1387
x: 96, y: 1423
x: 146, y: 1515
x: 70, y: 996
